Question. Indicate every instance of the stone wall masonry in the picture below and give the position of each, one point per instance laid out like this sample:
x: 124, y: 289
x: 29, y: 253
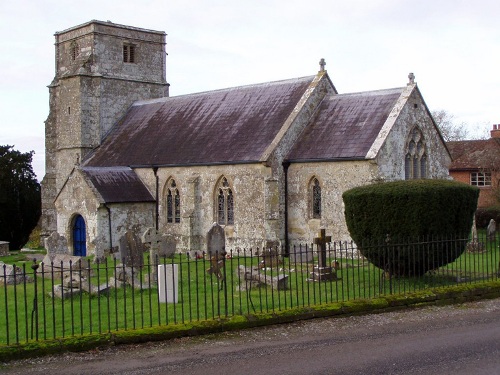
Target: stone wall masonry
x: 198, y: 212
x: 334, y: 178
x: 391, y: 156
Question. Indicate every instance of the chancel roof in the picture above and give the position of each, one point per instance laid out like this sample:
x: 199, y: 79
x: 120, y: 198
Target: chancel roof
x: 224, y: 126
x: 117, y: 184
x: 346, y: 126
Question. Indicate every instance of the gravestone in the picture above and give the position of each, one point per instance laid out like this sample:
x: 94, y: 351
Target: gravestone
x: 167, y: 247
x: 323, y: 271
x: 301, y: 254
x: 131, y: 250
x: 168, y: 283
x: 252, y: 277
x: 216, y: 249
x: 11, y: 274
x: 4, y: 248
x: 271, y: 254
x: 491, y: 229
x: 60, y: 263
x: 56, y: 244
x: 216, y: 240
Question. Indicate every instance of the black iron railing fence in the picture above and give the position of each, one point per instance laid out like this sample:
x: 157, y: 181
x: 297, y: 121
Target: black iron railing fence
x: 45, y: 301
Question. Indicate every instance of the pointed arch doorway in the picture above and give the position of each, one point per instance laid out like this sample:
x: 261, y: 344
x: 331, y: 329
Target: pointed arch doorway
x: 79, y: 237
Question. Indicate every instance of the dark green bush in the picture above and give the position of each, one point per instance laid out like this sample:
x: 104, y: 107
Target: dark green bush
x: 384, y: 218
x: 484, y: 215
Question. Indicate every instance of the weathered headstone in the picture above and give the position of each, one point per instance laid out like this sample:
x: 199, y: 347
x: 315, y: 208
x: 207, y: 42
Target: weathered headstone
x: 216, y: 249
x: 167, y: 247
x: 271, y: 254
x: 131, y: 250
x: 491, y: 229
x: 4, y: 248
x: 252, y: 277
x: 322, y: 272
x: 56, y: 244
x: 60, y: 262
x: 301, y: 254
x: 10, y: 274
x: 168, y: 283
x: 216, y: 240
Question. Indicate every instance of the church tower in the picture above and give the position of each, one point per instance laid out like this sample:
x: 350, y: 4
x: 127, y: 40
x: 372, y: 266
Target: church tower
x: 101, y: 68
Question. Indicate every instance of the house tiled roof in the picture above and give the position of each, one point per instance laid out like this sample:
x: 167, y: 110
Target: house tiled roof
x: 223, y: 126
x: 346, y: 126
x: 475, y: 154
x: 118, y: 184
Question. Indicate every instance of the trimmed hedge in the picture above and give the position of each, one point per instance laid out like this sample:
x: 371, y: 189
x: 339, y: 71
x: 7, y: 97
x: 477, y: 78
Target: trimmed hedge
x: 382, y: 217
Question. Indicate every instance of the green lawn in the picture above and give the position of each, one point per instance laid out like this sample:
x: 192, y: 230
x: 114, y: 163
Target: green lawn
x: 22, y: 318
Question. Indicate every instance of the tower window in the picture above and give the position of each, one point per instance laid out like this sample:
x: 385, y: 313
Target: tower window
x: 128, y: 53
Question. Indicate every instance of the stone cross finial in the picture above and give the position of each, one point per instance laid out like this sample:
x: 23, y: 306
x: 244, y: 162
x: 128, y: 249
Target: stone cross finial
x: 322, y: 64
x: 411, y: 77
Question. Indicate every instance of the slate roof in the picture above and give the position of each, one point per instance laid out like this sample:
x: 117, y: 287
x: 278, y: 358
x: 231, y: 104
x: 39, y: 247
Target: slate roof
x: 346, y: 126
x: 475, y: 154
x: 118, y: 184
x: 224, y: 126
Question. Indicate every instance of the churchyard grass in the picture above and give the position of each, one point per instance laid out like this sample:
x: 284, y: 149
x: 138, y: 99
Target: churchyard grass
x: 200, y: 296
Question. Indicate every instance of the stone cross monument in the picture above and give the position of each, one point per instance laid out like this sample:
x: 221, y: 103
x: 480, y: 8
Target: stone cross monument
x: 322, y: 272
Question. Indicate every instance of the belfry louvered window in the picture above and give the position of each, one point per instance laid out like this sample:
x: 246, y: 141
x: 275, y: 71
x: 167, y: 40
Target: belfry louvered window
x: 129, y: 53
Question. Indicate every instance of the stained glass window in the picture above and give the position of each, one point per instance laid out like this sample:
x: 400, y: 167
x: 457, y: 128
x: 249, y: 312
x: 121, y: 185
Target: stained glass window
x: 225, y: 203
x: 173, y: 203
x: 415, y: 157
x: 316, y: 199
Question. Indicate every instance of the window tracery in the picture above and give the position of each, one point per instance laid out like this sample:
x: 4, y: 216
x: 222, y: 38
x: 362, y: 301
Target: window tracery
x: 225, y: 203
x: 173, y: 203
x: 415, y: 158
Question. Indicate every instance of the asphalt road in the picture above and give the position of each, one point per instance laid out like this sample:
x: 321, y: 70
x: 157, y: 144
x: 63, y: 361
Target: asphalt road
x: 461, y: 339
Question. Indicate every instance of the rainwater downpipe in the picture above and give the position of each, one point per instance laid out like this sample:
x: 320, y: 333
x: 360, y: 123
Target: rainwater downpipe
x: 286, y: 164
x: 109, y: 228
x: 157, y: 208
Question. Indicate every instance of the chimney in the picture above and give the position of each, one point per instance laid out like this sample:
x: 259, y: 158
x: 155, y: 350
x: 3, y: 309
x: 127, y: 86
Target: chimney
x: 495, y: 133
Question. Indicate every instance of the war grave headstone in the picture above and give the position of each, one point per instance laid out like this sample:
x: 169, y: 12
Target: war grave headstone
x: 322, y: 272
x: 168, y: 282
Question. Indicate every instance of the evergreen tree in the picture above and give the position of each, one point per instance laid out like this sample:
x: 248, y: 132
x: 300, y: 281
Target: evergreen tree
x: 20, y: 196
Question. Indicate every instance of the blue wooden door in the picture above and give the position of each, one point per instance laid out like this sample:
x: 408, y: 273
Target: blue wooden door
x: 79, y: 238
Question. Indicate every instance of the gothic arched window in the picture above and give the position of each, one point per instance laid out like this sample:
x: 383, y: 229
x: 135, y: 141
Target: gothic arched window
x: 173, y: 203
x: 315, y: 198
x: 224, y: 203
x: 415, y: 157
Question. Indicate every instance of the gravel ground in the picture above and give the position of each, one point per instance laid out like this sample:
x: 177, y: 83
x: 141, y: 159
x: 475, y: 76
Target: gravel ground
x: 117, y: 356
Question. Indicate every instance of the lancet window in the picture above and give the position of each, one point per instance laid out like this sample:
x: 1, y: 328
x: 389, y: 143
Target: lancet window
x: 224, y: 203
x: 173, y: 203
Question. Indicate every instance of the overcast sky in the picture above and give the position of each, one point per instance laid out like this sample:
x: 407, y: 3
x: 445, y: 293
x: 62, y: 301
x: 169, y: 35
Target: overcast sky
x: 452, y: 47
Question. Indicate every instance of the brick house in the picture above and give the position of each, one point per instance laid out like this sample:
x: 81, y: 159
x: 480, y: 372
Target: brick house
x: 477, y: 162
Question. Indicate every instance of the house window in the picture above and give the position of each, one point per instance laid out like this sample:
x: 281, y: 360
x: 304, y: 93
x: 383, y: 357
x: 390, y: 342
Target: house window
x: 224, y: 203
x: 173, y: 203
x: 128, y: 53
x: 315, y: 198
x: 480, y: 178
x: 73, y: 51
x: 415, y: 157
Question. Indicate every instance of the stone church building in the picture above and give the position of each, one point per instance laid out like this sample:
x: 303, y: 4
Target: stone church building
x: 269, y: 162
